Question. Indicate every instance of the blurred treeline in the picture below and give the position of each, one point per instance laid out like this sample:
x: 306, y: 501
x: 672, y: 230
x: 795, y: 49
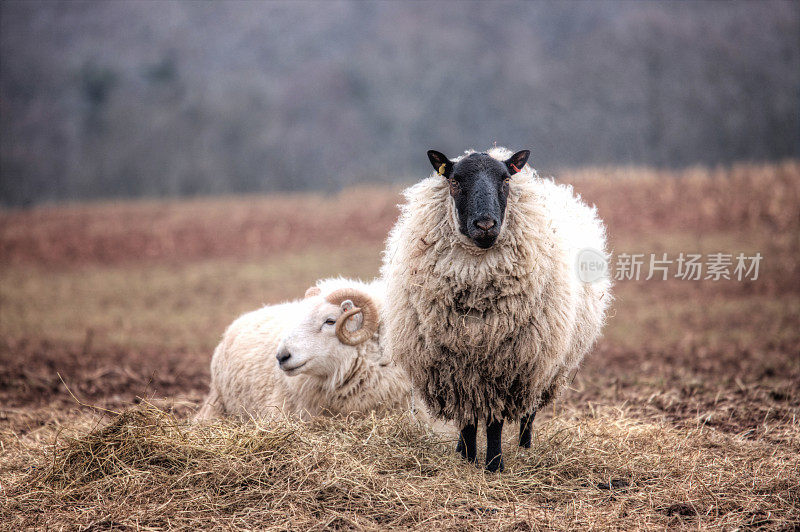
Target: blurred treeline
x: 141, y: 98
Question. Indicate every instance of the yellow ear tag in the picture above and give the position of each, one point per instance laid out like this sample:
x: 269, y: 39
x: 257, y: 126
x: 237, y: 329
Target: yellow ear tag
x: 441, y: 168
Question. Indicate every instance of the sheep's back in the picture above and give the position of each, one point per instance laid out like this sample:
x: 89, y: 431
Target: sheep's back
x: 243, y: 369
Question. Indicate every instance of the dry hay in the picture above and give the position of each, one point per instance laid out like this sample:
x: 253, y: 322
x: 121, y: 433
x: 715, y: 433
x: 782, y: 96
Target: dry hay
x: 600, y: 469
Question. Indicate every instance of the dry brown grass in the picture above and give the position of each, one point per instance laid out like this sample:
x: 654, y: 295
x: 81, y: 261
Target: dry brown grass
x: 597, y: 469
x: 745, y: 198
x: 180, y: 231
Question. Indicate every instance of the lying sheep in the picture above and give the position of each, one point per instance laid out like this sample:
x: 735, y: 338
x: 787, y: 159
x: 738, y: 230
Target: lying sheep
x: 319, y: 355
x: 483, y: 305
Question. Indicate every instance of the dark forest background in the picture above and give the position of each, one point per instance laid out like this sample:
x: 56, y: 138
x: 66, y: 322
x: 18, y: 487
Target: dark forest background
x: 140, y: 98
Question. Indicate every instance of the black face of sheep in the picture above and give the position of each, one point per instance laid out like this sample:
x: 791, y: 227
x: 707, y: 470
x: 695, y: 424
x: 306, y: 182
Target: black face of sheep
x: 479, y: 186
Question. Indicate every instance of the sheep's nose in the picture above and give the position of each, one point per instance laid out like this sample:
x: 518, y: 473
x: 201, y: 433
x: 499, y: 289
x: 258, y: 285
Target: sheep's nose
x: 485, y: 223
x: 283, y: 355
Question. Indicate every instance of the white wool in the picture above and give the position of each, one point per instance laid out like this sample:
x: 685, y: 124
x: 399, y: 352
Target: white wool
x: 492, y: 332
x: 247, y: 381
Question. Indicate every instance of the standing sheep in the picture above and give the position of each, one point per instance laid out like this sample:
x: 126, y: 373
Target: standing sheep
x: 322, y: 354
x: 484, y: 307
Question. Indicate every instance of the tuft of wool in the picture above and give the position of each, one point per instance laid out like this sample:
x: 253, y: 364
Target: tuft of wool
x: 492, y: 333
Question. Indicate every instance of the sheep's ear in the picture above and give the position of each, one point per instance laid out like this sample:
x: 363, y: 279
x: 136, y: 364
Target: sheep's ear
x: 354, y: 321
x: 517, y: 161
x: 440, y: 162
x: 313, y: 291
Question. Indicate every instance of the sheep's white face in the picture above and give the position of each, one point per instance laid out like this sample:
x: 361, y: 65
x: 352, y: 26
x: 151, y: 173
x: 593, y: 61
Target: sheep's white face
x: 311, y: 347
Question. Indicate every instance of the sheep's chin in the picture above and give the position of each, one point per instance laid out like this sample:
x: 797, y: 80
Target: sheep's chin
x: 483, y: 244
x: 291, y: 372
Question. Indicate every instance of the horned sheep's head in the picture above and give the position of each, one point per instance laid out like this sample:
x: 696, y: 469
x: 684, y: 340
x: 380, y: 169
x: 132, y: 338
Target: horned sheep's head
x: 326, y: 337
x: 479, y: 186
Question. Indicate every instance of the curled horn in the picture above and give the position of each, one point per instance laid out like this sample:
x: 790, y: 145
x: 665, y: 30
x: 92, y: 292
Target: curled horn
x: 363, y: 304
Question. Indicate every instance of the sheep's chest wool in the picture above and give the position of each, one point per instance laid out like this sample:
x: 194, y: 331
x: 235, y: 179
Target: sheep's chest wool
x: 489, y: 332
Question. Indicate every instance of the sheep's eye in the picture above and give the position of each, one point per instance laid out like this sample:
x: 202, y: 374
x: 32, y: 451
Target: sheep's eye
x: 453, y: 185
x: 330, y: 321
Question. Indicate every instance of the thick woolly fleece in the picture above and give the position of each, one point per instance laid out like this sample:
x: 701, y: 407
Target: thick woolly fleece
x: 246, y: 380
x: 492, y: 333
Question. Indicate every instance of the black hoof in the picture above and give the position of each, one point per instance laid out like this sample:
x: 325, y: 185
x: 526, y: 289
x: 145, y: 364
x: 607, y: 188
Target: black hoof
x: 525, y: 425
x: 495, y: 465
x: 462, y: 451
x: 466, y: 443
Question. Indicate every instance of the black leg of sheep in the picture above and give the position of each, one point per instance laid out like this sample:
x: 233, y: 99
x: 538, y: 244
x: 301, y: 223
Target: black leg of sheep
x: 494, y: 453
x: 525, y: 425
x: 467, y: 446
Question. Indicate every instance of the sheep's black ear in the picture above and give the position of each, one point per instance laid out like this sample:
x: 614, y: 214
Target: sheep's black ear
x: 517, y: 161
x: 440, y: 162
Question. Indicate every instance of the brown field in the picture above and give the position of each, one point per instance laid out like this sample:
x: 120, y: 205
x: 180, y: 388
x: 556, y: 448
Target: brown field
x: 687, y: 413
